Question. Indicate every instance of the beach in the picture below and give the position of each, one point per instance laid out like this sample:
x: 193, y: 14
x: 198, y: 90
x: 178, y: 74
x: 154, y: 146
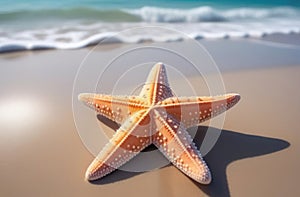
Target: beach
x: 257, y: 153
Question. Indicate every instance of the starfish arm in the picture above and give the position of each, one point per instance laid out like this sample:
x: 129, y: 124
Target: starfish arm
x: 191, y: 111
x: 116, y: 108
x: 156, y: 87
x: 123, y: 146
x: 176, y: 144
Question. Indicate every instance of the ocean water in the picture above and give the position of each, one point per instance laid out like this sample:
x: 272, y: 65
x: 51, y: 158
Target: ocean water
x: 69, y: 24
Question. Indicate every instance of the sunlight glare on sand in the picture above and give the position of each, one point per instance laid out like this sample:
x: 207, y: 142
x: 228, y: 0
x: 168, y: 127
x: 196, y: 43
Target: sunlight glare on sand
x: 17, y: 113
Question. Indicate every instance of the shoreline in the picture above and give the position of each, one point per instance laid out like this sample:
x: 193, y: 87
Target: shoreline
x: 291, y: 39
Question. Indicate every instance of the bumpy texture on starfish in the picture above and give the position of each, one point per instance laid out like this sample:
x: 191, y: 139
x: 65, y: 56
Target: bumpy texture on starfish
x: 156, y: 117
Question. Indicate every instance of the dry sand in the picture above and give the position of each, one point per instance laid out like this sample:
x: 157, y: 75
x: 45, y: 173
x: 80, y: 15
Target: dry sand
x: 257, y: 153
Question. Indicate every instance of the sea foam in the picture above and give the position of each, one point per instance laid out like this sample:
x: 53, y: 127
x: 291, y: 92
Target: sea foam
x: 196, y: 23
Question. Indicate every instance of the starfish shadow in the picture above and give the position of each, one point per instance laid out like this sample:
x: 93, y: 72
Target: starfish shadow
x: 231, y: 146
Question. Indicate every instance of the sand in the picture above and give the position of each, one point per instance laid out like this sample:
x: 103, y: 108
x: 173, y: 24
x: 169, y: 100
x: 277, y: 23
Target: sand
x: 257, y: 153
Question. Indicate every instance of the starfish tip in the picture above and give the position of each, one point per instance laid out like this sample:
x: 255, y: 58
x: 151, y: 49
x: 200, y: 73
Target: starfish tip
x: 205, y: 179
x: 235, y: 97
x: 81, y: 97
x: 208, y: 180
x: 238, y: 96
x: 84, y: 97
x: 159, y: 64
x: 88, y: 176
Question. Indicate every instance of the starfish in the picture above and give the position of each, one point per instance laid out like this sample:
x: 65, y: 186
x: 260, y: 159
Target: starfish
x: 156, y: 117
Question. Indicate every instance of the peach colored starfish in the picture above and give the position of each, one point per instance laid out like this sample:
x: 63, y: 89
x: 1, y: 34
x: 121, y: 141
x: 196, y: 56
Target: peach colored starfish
x: 156, y: 117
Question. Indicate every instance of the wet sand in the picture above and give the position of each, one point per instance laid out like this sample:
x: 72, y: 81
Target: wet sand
x: 257, y: 153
